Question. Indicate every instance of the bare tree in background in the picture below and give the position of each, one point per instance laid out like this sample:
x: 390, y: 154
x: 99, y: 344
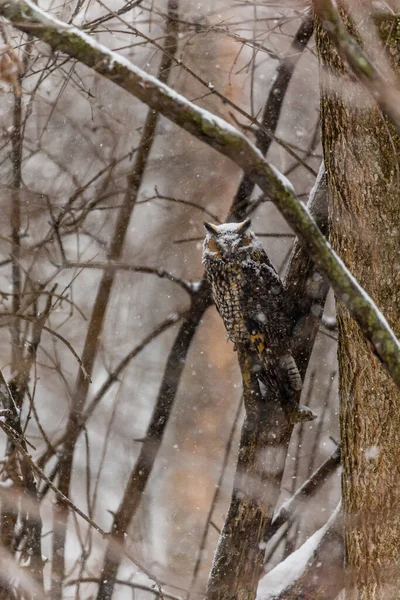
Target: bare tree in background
x: 136, y: 445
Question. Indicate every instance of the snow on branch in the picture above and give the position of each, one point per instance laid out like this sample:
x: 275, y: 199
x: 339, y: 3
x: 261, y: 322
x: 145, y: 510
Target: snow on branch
x: 279, y: 583
x: 218, y: 134
x: 287, y: 510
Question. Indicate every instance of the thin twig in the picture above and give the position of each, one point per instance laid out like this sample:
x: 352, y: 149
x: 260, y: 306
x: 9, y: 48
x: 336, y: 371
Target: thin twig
x: 121, y: 266
x: 273, y: 108
x: 13, y: 435
x: 226, y: 139
x: 130, y: 584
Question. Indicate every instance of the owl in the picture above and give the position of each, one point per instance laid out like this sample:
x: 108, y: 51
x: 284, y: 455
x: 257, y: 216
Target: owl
x: 250, y: 297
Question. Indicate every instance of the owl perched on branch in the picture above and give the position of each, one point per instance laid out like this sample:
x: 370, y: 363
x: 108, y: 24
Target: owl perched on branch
x: 250, y: 297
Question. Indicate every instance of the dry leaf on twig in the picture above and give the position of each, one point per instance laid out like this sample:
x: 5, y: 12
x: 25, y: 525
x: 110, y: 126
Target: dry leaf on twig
x: 11, y: 67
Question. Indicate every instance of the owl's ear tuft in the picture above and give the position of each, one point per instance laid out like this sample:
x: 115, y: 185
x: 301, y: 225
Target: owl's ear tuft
x: 244, y: 226
x: 210, y: 228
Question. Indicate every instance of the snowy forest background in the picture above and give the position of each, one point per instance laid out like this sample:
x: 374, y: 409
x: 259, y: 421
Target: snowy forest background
x: 68, y: 151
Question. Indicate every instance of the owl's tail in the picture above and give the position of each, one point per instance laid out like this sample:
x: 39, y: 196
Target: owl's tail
x: 291, y: 385
x: 288, y: 365
x: 286, y: 370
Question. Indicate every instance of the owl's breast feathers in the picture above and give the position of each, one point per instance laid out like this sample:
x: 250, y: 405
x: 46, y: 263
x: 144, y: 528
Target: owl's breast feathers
x: 227, y: 288
x: 264, y: 303
x: 249, y: 296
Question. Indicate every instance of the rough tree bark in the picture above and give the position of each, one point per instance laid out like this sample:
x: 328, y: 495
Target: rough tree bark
x: 361, y: 155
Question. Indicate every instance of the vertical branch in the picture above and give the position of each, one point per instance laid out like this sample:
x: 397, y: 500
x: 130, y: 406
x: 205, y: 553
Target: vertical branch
x: 32, y: 526
x: 24, y: 484
x: 9, y: 513
x: 214, y: 501
x: 101, y: 303
x: 16, y: 162
x: 16, y: 159
x: 265, y: 437
x: 304, y: 284
x: 152, y: 441
x: 13, y: 395
x: 239, y: 557
x: 319, y: 431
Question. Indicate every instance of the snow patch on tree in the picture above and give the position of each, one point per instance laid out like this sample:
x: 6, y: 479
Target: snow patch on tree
x: 287, y: 572
x: 282, y: 179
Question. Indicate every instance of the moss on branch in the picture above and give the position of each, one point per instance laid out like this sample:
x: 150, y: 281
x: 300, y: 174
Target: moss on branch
x: 218, y: 134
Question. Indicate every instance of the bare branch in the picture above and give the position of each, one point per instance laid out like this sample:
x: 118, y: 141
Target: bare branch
x: 55, y: 334
x: 14, y: 437
x: 120, y: 266
x: 273, y: 108
x: 16, y: 440
x: 151, y: 444
x: 304, y: 282
x: 228, y: 141
x: 131, y: 584
x: 214, y: 501
x: 307, y: 490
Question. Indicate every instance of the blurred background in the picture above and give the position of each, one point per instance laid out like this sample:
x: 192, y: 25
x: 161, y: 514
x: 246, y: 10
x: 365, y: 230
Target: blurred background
x: 68, y: 160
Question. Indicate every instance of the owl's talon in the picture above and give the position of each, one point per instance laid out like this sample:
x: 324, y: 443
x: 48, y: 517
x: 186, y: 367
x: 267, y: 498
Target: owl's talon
x: 298, y: 413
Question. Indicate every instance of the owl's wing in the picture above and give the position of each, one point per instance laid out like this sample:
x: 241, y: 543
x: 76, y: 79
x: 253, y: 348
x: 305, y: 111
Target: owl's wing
x: 264, y: 306
x: 264, y: 302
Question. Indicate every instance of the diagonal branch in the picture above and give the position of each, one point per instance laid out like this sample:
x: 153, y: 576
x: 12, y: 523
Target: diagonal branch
x: 224, y: 138
x: 19, y: 443
x: 123, y: 266
x: 152, y: 441
x: 307, y: 490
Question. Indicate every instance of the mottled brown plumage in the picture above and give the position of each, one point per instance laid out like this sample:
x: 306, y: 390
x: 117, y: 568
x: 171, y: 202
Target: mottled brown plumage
x: 250, y: 298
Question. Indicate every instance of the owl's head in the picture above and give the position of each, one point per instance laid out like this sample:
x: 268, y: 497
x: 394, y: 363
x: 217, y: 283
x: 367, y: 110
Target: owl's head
x: 228, y: 242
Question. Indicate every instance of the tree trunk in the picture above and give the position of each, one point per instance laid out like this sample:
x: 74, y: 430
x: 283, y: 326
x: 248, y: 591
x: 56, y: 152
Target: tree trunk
x: 361, y: 153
